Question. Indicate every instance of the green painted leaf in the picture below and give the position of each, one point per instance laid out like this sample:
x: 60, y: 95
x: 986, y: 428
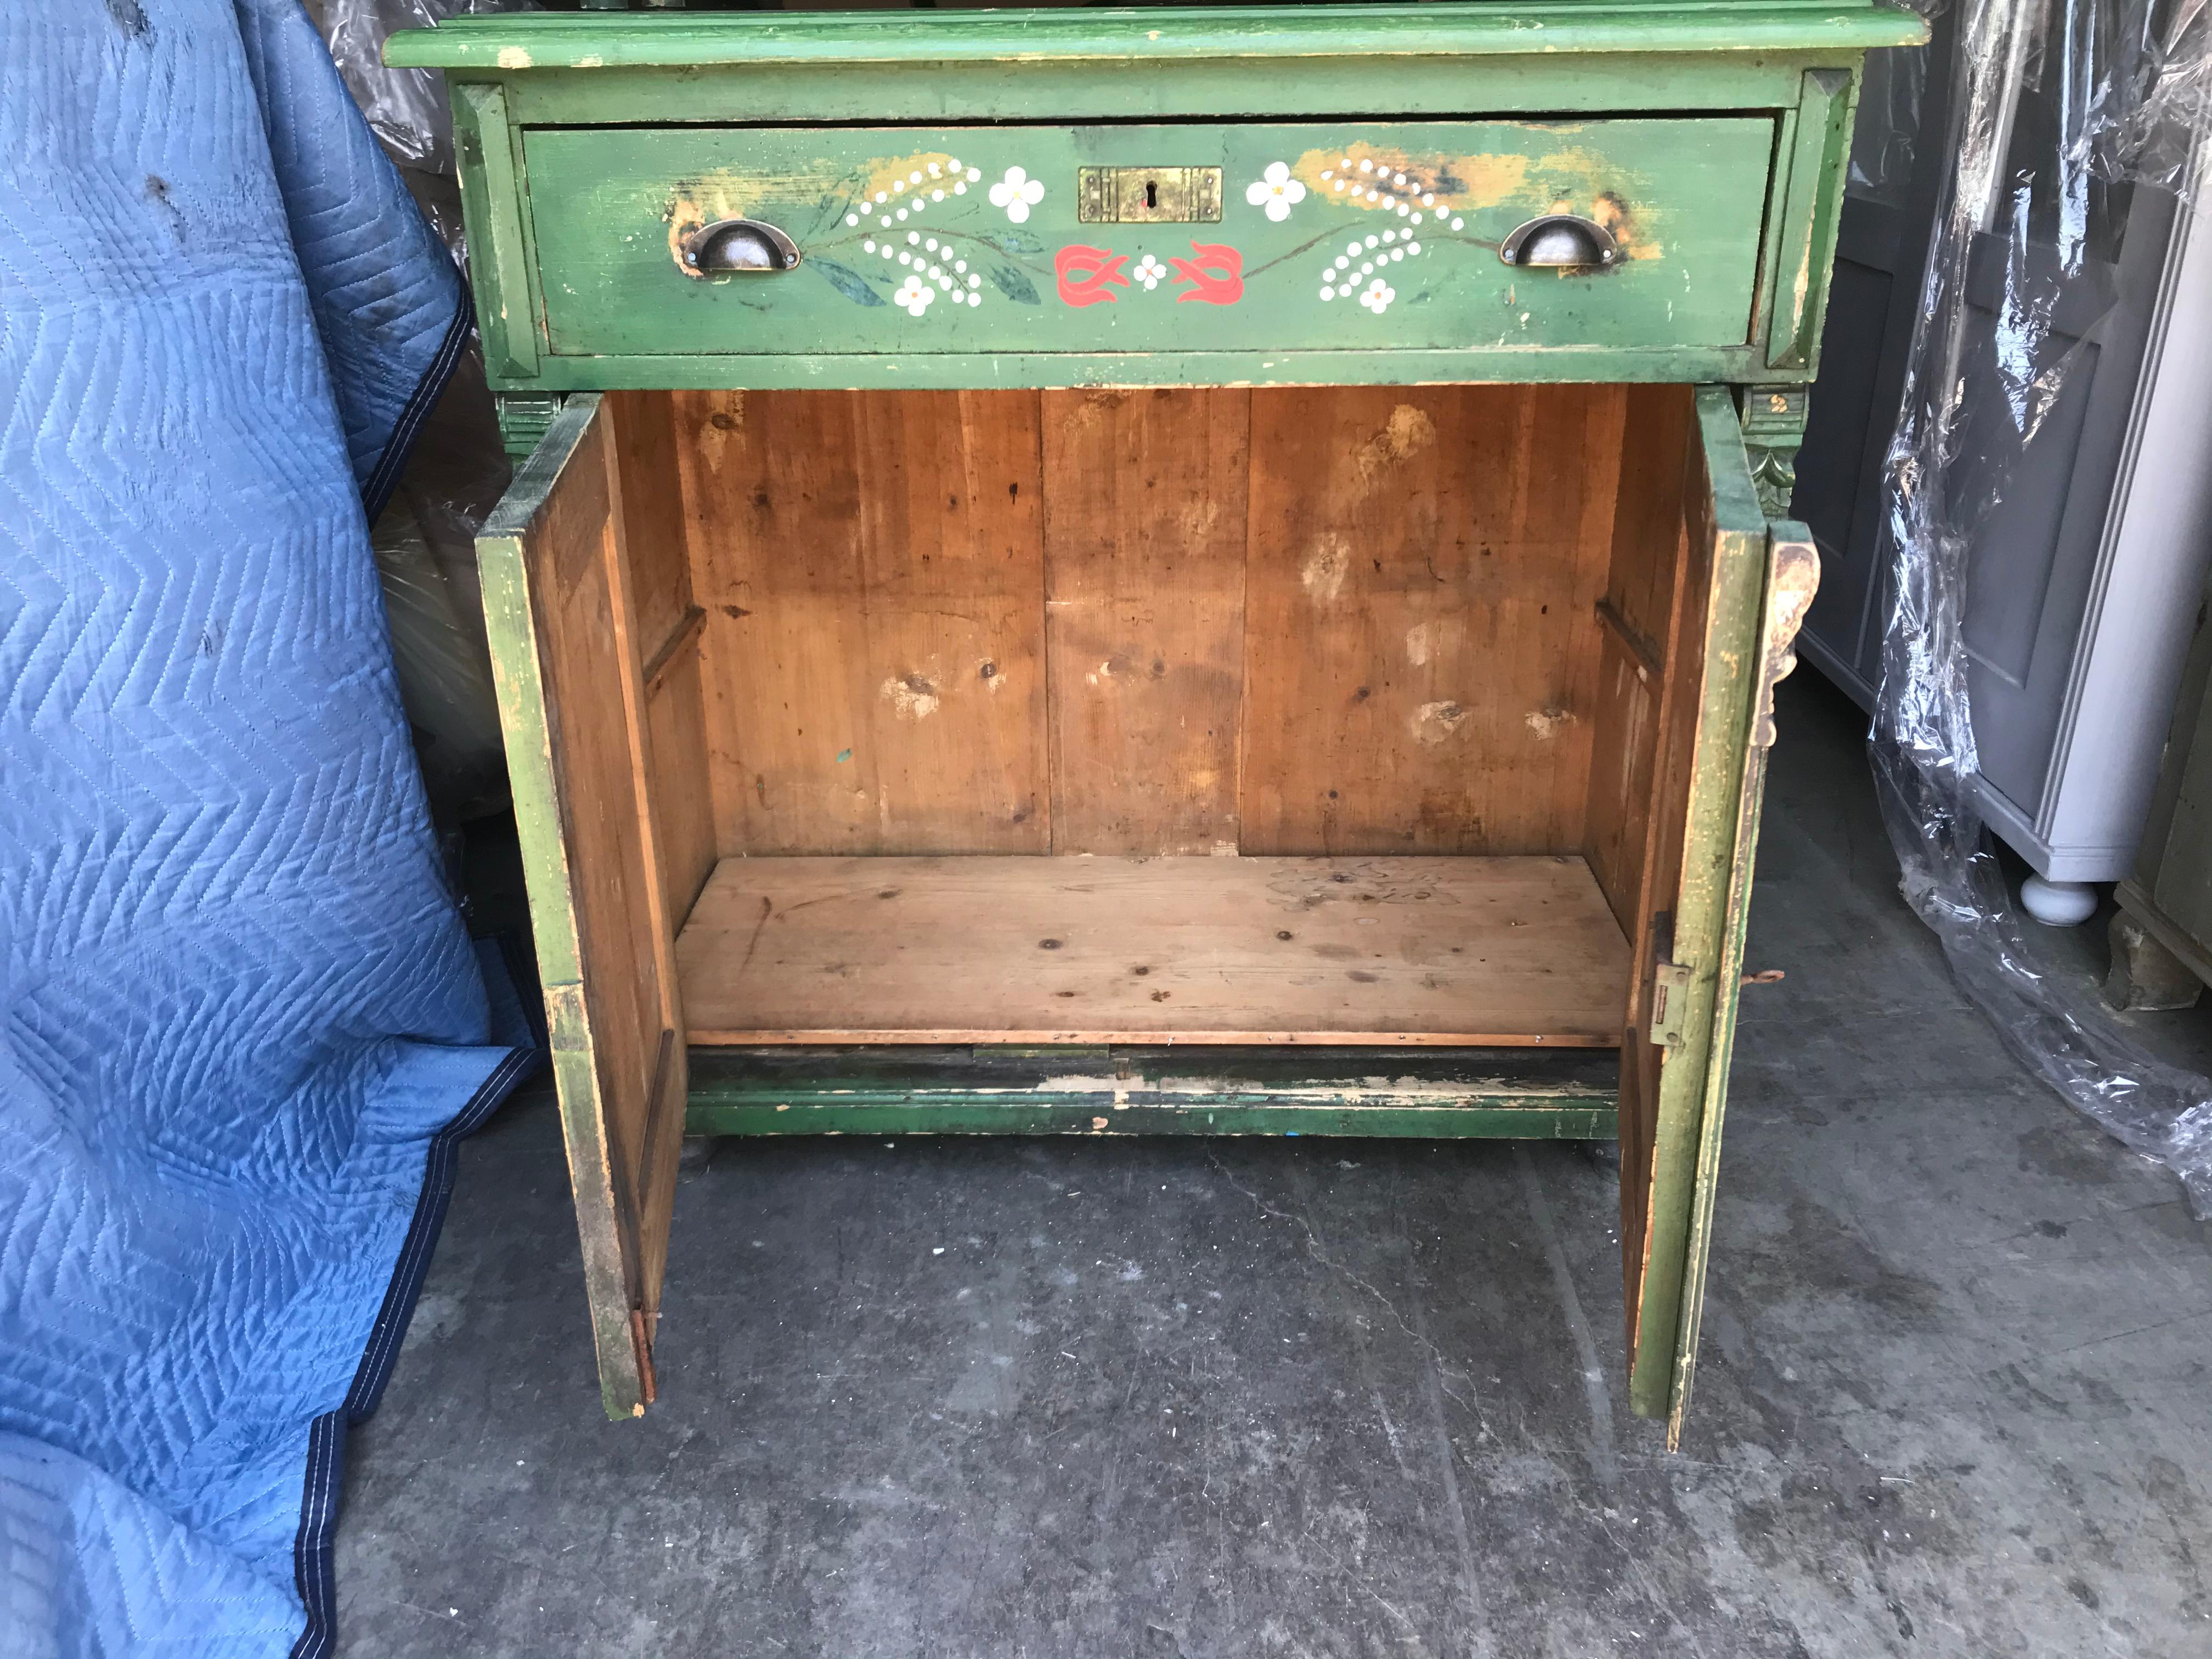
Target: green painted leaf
x: 848, y: 281
x: 1015, y: 286
x: 1011, y: 242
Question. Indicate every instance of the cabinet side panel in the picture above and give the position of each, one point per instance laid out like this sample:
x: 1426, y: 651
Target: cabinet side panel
x: 1145, y: 534
x: 870, y: 567
x: 1421, y: 651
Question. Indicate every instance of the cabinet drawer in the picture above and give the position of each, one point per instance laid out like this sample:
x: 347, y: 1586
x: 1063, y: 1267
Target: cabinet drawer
x: 1184, y: 237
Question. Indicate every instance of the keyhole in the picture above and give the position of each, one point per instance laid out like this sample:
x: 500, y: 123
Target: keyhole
x: 1152, y: 192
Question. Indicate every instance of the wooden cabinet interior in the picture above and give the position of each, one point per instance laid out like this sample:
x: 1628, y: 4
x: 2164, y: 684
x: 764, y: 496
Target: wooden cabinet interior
x: 1292, y: 622
x: 1331, y: 716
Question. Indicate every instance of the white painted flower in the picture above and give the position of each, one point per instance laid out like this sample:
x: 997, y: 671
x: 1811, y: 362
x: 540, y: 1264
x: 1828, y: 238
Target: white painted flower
x: 1018, y: 193
x: 1149, y: 271
x: 1275, y: 190
x: 1376, y: 296
x: 916, y: 294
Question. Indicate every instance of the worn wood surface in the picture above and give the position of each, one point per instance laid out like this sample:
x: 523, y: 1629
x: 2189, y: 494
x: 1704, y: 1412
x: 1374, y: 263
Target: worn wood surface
x: 562, y: 628
x: 1145, y: 545
x: 1246, y: 36
x: 635, y: 914
x: 1604, y: 66
x: 1817, y: 137
x: 1703, y: 889
x: 1524, y: 1093
x: 1653, y: 614
x: 1641, y: 618
x: 1420, y: 569
x: 871, y: 571
x: 1431, y: 950
x: 1685, y: 198
x: 1789, y: 578
x: 667, y: 626
x: 1421, y: 648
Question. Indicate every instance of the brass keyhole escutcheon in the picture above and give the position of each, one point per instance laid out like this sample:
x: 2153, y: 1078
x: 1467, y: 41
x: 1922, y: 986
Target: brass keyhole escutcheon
x: 1148, y: 195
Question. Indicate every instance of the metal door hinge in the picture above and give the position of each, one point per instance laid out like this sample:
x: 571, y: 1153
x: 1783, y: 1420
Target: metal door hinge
x: 1670, y: 1004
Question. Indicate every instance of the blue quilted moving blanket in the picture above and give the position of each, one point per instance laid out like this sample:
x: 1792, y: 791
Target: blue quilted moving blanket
x: 241, y: 1023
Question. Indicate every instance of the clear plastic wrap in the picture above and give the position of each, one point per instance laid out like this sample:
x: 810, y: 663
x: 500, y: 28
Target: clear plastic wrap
x: 406, y: 107
x: 425, y: 543
x: 2058, y: 110
x: 425, y: 538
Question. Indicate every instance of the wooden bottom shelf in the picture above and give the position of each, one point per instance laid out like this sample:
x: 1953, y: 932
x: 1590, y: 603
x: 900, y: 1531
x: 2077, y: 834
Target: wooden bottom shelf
x: 1454, y: 951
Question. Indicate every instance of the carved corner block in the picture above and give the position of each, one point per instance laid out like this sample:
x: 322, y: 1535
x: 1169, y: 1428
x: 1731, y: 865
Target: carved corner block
x: 523, y: 418
x: 1773, y: 429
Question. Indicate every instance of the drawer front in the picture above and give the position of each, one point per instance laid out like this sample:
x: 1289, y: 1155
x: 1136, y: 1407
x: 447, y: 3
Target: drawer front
x: 1183, y: 238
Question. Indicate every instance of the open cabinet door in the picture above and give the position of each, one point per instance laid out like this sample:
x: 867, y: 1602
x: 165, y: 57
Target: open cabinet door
x: 559, y: 611
x: 1741, y: 587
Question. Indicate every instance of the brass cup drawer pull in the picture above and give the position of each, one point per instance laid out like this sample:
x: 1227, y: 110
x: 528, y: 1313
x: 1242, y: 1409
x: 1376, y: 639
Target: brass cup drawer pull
x: 739, y: 247
x: 1560, y: 242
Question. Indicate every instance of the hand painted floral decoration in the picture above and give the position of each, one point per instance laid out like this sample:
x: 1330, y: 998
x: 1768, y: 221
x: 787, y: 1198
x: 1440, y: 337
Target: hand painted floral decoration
x: 1018, y: 193
x: 1215, y: 272
x: 1088, y: 275
x: 1364, y: 256
x: 1379, y: 189
x: 1276, y: 190
x: 895, y: 203
x: 1149, y: 271
x: 916, y: 294
x: 1377, y: 296
x: 928, y: 261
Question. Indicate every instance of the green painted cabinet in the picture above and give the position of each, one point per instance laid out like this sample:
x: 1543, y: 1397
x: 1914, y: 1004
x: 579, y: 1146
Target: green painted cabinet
x: 1093, y: 571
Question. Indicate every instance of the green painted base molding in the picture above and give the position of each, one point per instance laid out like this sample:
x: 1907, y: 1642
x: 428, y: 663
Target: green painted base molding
x: 1496, y: 1093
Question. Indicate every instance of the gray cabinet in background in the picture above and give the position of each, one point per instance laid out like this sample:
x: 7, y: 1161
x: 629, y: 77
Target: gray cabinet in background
x: 2083, y: 579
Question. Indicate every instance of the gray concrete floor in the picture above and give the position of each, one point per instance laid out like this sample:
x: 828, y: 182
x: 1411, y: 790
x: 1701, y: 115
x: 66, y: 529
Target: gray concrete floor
x: 1162, y: 1398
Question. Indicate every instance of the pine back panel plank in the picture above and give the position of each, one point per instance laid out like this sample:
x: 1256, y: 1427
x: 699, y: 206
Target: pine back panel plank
x: 1145, y: 536
x: 1298, y: 621
x: 1427, y: 950
x: 1420, y: 657
x: 871, y: 569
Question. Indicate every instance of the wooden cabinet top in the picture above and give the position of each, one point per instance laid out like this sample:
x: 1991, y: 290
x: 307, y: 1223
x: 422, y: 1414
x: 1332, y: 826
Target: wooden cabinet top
x: 510, y: 43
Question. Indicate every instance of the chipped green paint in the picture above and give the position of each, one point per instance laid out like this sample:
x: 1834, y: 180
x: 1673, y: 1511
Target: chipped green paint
x: 1526, y: 1094
x: 1373, y: 35
x: 1785, y: 599
x: 635, y: 127
x: 1381, y: 238
x: 517, y: 680
x: 1819, y: 141
x: 1708, y: 911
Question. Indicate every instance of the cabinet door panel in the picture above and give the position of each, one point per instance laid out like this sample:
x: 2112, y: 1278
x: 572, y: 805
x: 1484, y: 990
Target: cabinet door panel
x: 559, y: 611
x: 1746, y: 588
